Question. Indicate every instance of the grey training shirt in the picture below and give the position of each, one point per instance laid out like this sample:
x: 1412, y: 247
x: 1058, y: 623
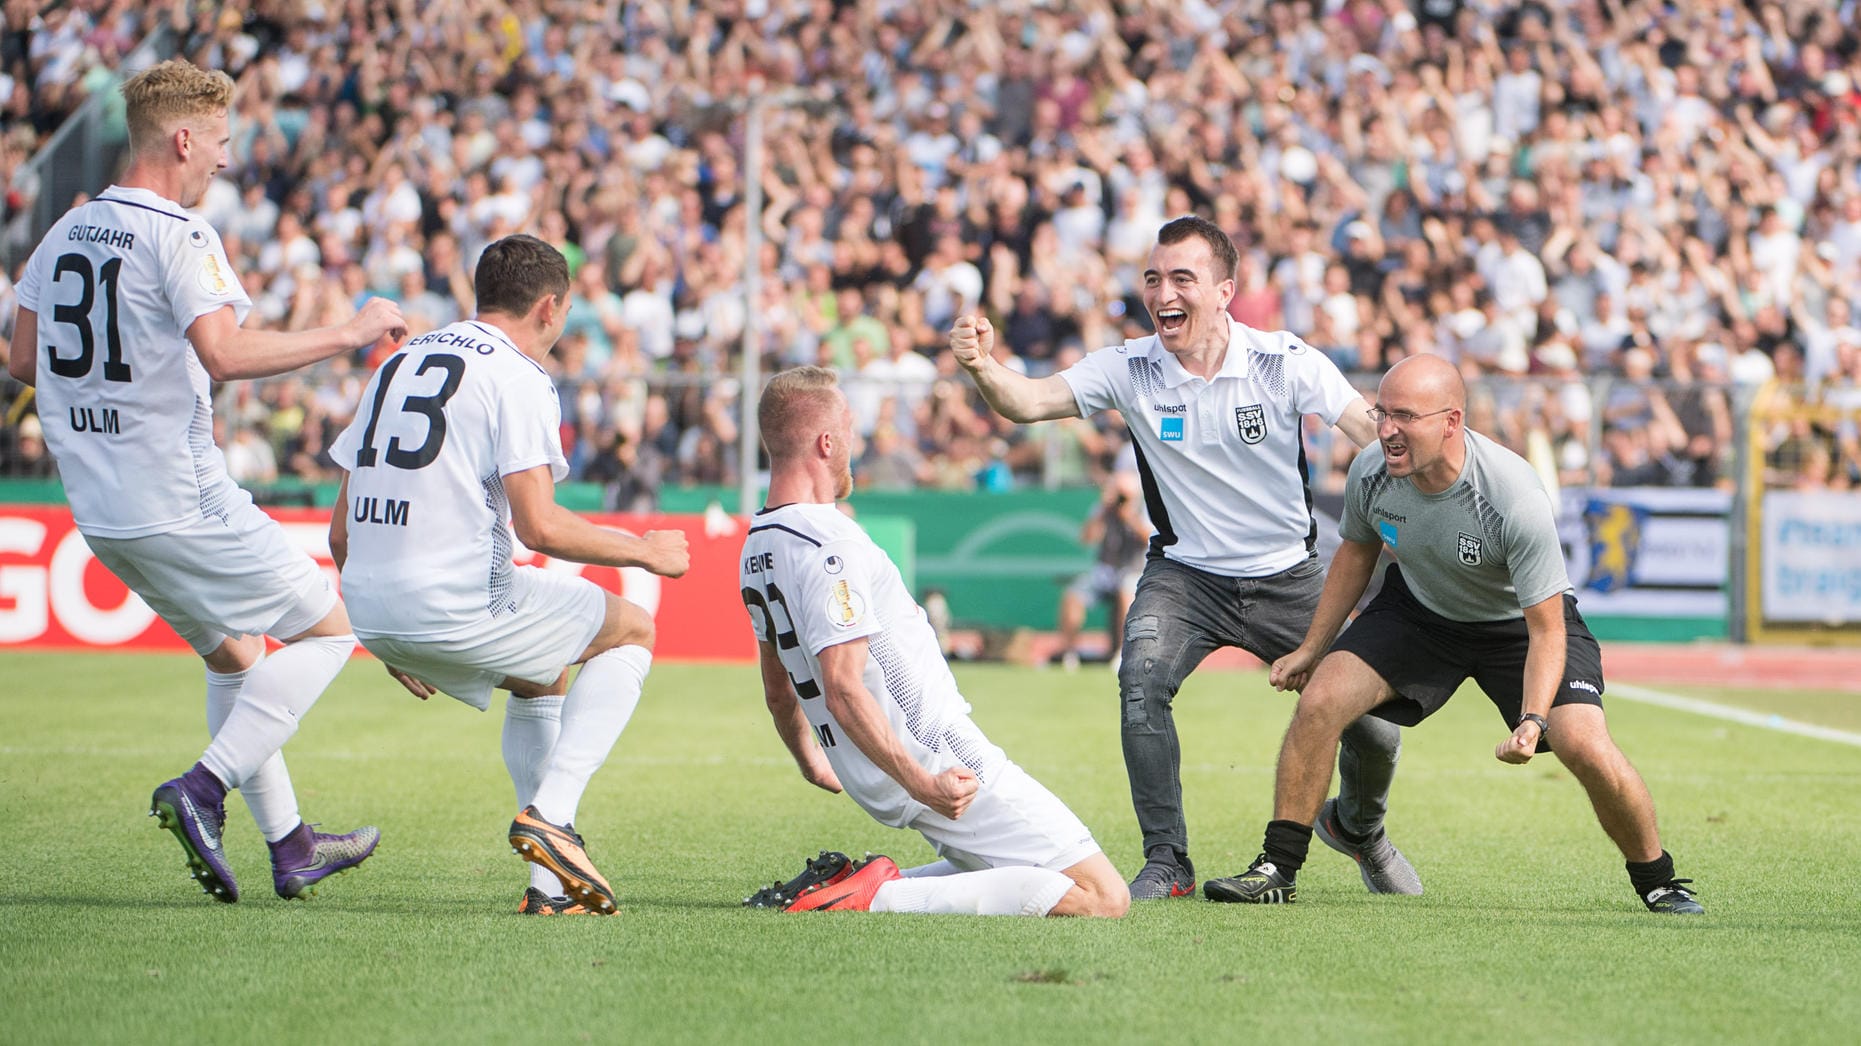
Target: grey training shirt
x: 1481, y: 550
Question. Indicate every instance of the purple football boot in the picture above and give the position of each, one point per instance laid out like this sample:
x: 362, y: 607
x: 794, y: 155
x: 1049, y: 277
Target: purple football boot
x: 193, y: 807
x: 306, y: 857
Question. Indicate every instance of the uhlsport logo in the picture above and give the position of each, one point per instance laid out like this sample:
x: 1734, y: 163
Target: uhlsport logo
x: 1469, y: 550
x: 1252, y: 421
x: 1584, y: 684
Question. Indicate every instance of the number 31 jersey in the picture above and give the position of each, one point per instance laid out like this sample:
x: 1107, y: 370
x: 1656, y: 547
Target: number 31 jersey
x: 813, y: 579
x: 440, y: 425
x: 125, y: 403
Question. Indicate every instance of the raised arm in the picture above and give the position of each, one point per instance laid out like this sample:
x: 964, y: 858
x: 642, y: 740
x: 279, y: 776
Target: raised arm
x: 546, y: 527
x: 1356, y: 425
x: 1016, y: 397
x: 843, y: 668
x: 230, y: 352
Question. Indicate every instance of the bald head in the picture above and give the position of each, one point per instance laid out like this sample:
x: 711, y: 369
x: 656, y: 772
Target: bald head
x: 1428, y: 380
x: 796, y: 406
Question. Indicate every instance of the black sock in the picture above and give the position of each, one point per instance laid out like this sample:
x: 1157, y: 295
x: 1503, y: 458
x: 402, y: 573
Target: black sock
x: 1287, y: 843
x: 1650, y: 875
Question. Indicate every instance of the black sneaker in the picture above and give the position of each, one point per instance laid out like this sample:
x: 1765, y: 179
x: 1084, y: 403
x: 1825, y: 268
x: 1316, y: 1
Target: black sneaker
x: 1263, y: 883
x: 1163, y: 876
x: 1673, y: 898
x: 830, y: 867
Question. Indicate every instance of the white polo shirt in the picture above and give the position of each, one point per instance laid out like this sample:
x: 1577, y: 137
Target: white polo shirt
x: 1222, y: 461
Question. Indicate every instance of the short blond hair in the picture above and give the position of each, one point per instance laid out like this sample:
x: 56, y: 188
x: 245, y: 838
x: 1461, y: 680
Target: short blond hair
x: 158, y: 97
x: 794, y: 402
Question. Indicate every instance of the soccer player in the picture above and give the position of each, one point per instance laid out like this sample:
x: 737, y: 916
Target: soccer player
x: 1479, y: 589
x: 862, y: 697
x: 1215, y: 411
x: 455, y: 446
x: 128, y: 309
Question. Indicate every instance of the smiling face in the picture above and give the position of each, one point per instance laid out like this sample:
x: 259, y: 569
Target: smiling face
x: 208, y: 137
x: 1186, y: 296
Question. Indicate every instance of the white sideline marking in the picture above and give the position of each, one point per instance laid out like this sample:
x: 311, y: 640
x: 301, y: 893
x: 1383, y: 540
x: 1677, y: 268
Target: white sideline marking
x: 1745, y: 716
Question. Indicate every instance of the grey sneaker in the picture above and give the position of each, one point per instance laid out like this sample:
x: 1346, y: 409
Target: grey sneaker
x: 1673, y: 898
x: 1384, y: 868
x: 1164, y: 875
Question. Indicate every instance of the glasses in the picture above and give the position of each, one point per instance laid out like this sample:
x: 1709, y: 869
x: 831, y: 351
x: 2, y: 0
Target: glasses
x: 1402, y: 418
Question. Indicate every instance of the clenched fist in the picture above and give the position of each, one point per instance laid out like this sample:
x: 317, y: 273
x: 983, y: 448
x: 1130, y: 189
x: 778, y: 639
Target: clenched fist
x: 972, y: 341
x: 667, y: 552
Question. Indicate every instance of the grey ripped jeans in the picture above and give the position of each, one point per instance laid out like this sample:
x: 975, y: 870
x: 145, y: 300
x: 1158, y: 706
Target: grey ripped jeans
x: 1179, y: 616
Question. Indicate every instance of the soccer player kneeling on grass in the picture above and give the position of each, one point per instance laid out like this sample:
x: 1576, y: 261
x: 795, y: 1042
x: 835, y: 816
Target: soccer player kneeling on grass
x: 1479, y: 589
x: 455, y: 445
x: 863, y: 699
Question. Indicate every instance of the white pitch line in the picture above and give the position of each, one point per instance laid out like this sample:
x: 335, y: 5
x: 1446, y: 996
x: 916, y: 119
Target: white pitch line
x: 1745, y: 716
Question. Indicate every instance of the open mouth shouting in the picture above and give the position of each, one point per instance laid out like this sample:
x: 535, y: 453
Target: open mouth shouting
x: 1171, y: 321
x: 1396, y: 452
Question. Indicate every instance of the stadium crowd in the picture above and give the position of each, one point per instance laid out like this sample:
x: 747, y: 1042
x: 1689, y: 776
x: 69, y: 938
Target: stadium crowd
x: 1612, y: 215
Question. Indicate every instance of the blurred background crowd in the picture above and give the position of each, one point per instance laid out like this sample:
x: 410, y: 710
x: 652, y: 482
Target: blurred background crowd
x: 1618, y: 217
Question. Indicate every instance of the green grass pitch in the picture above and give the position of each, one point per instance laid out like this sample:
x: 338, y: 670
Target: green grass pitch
x: 1528, y: 931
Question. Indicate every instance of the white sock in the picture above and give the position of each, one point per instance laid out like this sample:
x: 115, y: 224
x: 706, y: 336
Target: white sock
x: 935, y: 868
x: 268, y: 793
x: 597, y: 708
x: 530, y: 728
x: 277, y: 693
x: 1019, y: 890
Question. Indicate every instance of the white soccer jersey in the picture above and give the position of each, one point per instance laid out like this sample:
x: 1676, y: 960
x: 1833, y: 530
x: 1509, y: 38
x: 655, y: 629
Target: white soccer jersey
x: 440, y: 425
x: 812, y: 579
x: 1222, y: 461
x: 126, y: 405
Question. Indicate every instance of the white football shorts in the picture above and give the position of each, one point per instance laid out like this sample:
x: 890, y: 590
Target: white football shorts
x: 1013, y: 821
x: 555, y: 617
x: 212, y: 579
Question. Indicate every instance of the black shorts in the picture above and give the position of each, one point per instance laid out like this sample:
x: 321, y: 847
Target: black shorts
x: 1425, y: 657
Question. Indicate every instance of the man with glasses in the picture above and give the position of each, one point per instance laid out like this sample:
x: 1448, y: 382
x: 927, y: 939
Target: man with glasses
x: 1215, y: 411
x: 1480, y: 590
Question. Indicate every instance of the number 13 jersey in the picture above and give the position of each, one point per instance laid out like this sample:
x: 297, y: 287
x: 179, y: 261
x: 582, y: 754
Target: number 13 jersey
x: 126, y: 406
x: 812, y: 579
x: 440, y: 425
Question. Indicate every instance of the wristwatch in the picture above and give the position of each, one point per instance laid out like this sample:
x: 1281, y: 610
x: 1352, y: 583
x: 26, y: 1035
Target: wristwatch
x: 1543, y: 727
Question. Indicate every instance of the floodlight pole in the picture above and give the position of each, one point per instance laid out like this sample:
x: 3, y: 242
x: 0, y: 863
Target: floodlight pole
x: 751, y: 376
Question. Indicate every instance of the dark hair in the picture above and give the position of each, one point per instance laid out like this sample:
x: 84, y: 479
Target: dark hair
x: 1227, y: 259
x: 515, y: 273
